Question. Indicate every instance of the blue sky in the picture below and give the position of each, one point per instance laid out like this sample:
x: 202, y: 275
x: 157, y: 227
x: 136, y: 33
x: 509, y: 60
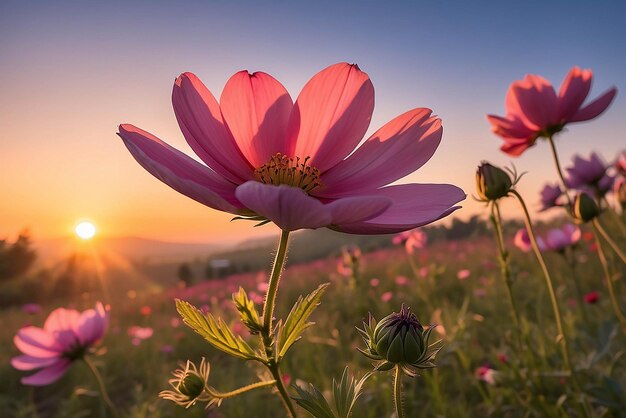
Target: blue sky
x: 70, y: 72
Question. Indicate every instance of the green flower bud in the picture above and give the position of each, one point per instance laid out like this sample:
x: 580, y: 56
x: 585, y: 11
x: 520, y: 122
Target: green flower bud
x: 189, y: 385
x: 192, y: 386
x: 398, y: 337
x: 492, y: 182
x: 585, y: 208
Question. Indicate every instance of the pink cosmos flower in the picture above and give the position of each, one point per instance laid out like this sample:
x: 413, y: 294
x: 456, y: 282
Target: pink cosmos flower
x: 413, y: 239
x: 138, y: 334
x: 463, y: 274
x: 558, y: 239
x: 66, y: 336
x: 31, y: 308
x: 386, y: 297
x: 550, y: 195
x: 589, y: 175
x: 522, y: 241
x: 401, y: 280
x: 486, y: 374
x: 268, y: 158
x: 592, y: 298
x: 374, y: 282
x: 534, y: 109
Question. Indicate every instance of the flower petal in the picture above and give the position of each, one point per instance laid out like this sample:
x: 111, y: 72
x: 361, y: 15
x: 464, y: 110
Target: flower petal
x: 92, y: 324
x: 573, y: 92
x: 288, y: 207
x: 510, y: 127
x: 357, y: 208
x: 397, y: 149
x: 515, y: 147
x: 534, y: 101
x: 37, y: 342
x: 331, y: 115
x: 26, y: 362
x: 256, y: 108
x: 200, y: 119
x: 47, y: 375
x: 178, y: 170
x: 413, y: 205
x: 596, y: 107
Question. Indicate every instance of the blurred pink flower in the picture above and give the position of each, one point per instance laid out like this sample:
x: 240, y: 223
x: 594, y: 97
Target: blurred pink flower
x: 138, y: 334
x: 592, y: 297
x: 145, y: 311
x: 413, y: 239
x: 167, y: 349
x: 423, y: 272
x: 262, y: 287
x: 585, y: 172
x: 296, y: 164
x: 480, y: 293
x: 463, y: 274
x: 174, y: 322
x: 374, y: 282
x: 620, y: 164
x: 534, y: 109
x: 486, y: 374
x: 522, y: 241
x: 31, y: 308
x: 386, y: 297
x: 550, y: 195
x: 401, y: 280
x: 66, y: 336
x: 558, y: 239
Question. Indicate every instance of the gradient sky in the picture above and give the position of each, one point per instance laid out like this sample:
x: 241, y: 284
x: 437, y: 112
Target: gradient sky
x: 70, y: 72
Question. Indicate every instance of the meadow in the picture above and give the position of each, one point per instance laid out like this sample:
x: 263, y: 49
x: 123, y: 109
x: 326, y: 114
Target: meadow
x: 482, y: 370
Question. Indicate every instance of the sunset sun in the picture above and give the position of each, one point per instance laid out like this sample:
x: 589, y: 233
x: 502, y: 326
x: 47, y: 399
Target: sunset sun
x: 85, y: 230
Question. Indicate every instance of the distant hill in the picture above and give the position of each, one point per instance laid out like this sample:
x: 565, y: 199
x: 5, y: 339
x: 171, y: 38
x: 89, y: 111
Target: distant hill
x: 131, y: 248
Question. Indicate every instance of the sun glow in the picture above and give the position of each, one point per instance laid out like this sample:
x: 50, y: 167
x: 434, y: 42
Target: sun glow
x: 85, y: 230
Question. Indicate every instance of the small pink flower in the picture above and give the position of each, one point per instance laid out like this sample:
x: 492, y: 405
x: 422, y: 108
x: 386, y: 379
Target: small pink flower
x: 295, y: 164
x: 31, y: 308
x: 522, y: 241
x: 174, y: 322
x: 401, y: 280
x: 486, y: 374
x: 145, y: 311
x: 386, y: 297
x: 413, y: 239
x: 592, y: 297
x: 423, y: 272
x: 503, y: 358
x: 534, y: 109
x: 463, y: 274
x: 262, y: 287
x: 374, y: 282
x: 139, y: 334
x: 167, y: 349
x: 558, y: 239
x: 66, y: 336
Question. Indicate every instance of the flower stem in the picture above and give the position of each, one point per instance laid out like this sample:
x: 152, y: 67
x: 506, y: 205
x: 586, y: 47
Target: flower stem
x: 597, y: 226
x: 225, y: 395
x: 101, y: 387
x: 559, y: 170
x: 609, y: 280
x: 397, y: 392
x: 268, y: 314
x: 272, y: 290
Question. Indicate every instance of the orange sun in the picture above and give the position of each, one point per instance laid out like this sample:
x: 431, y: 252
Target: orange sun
x: 85, y: 230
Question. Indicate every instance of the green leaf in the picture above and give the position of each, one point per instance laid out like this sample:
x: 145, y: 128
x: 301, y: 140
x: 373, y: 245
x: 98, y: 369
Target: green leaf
x: 216, y: 332
x: 248, y: 312
x: 296, y: 321
x: 312, y: 401
x: 346, y: 392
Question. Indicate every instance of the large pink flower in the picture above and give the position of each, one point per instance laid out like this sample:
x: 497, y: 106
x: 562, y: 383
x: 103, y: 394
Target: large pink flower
x: 296, y: 164
x: 534, y: 109
x: 66, y: 336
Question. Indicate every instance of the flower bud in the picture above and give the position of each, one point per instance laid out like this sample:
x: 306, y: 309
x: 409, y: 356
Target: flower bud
x: 585, y: 208
x: 492, y: 182
x: 189, y: 385
x: 398, y: 337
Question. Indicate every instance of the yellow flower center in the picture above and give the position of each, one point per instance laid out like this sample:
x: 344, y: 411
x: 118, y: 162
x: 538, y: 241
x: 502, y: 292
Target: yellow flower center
x: 291, y: 171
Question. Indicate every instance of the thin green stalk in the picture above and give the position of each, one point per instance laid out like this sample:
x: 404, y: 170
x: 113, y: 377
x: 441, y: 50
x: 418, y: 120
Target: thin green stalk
x: 561, y: 338
x: 559, y: 170
x: 280, y: 385
x: 268, y: 315
x: 272, y: 290
x: 232, y: 393
x: 579, y: 293
x: 607, y: 238
x: 609, y: 280
x: 397, y: 392
x: 102, y: 387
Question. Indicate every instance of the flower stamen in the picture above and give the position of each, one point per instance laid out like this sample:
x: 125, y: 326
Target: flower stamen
x: 292, y: 171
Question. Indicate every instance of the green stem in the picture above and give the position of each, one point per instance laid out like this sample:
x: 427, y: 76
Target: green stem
x: 101, y: 387
x: 225, y: 395
x: 555, y: 304
x: 579, y: 293
x: 268, y: 315
x: 607, y: 238
x: 272, y: 290
x: 559, y: 170
x: 280, y: 385
x: 609, y: 280
x: 397, y: 392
